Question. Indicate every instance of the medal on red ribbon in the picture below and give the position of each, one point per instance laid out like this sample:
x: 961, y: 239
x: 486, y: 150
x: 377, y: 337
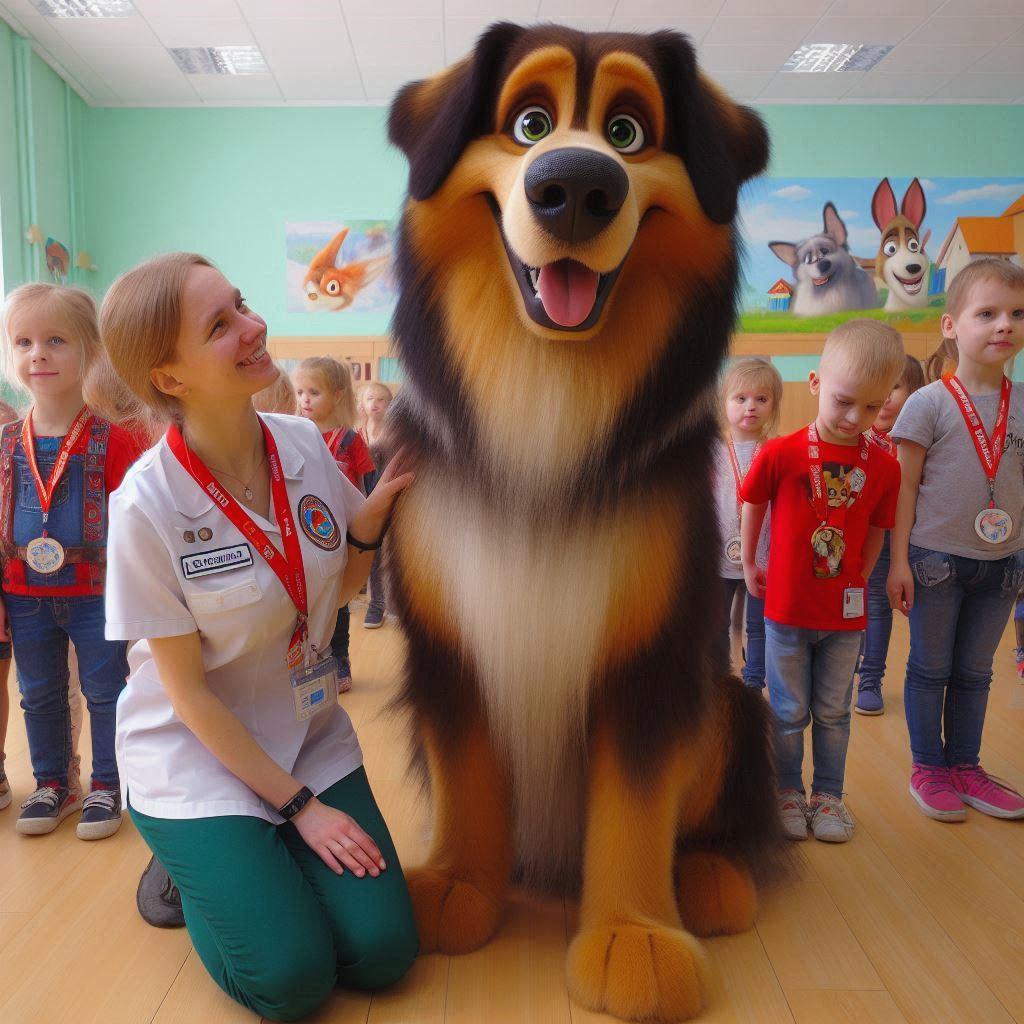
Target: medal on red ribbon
x: 45, y: 554
x: 993, y: 525
x: 733, y: 548
x: 827, y: 541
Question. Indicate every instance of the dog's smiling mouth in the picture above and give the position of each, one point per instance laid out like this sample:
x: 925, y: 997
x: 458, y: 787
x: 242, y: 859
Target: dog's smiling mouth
x: 820, y: 281
x: 563, y: 296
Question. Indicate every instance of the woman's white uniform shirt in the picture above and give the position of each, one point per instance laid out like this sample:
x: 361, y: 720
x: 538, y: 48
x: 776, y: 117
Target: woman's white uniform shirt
x: 175, y: 565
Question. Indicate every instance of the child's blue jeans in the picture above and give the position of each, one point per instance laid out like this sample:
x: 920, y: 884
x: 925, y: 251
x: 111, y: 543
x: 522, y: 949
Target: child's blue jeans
x: 961, y: 606
x: 810, y: 680
x: 753, y: 666
x: 879, y: 630
x: 40, y: 629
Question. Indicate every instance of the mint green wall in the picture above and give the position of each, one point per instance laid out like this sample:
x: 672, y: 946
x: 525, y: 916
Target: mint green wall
x: 40, y: 119
x: 225, y: 181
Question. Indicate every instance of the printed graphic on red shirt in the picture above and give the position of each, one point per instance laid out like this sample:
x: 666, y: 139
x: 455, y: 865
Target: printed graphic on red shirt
x: 812, y: 563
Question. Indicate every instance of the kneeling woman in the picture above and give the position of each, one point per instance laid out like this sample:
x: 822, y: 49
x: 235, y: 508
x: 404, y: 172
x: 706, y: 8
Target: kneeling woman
x: 233, y: 542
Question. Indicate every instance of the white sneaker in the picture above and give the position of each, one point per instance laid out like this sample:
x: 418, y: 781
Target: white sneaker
x: 793, y: 812
x: 830, y: 820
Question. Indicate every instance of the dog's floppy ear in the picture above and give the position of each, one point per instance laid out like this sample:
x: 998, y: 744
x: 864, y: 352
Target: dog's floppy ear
x: 433, y: 120
x: 722, y: 143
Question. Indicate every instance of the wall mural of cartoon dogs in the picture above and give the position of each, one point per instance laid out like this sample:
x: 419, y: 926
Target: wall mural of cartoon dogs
x: 828, y: 277
x: 567, y: 266
x: 901, y: 264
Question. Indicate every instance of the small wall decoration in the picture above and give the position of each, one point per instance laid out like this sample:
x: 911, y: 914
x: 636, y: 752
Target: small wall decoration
x: 820, y: 251
x: 334, y: 266
x: 58, y: 260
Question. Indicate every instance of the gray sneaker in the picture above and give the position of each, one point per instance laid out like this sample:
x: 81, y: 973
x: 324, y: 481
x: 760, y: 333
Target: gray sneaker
x: 46, y: 808
x: 374, y: 618
x: 5, y: 786
x: 830, y: 820
x: 793, y: 812
x: 158, y: 899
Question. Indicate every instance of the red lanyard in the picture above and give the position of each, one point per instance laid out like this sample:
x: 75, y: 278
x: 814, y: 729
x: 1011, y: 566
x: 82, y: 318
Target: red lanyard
x: 832, y: 516
x: 738, y: 476
x: 989, y: 449
x: 46, y: 491
x: 287, y: 567
x: 883, y: 441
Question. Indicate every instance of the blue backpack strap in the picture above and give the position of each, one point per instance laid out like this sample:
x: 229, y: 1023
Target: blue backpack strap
x: 346, y: 441
x: 9, y: 434
x: 94, y: 494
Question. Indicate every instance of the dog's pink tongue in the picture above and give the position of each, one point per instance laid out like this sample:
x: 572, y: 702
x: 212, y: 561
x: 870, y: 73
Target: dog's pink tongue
x: 568, y: 291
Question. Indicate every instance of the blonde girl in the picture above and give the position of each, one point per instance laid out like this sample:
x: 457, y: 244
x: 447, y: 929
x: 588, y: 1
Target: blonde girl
x: 57, y: 467
x: 374, y: 399
x: 751, y: 403
x: 957, y: 546
x: 323, y: 386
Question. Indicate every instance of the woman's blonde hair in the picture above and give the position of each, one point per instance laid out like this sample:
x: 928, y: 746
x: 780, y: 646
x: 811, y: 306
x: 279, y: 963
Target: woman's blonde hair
x: 277, y: 397
x: 102, y: 390
x: 335, y: 376
x: 140, y: 319
x: 755, y: 373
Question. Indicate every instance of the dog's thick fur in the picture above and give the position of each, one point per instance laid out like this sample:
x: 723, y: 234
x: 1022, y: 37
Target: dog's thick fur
x: 555, y: 564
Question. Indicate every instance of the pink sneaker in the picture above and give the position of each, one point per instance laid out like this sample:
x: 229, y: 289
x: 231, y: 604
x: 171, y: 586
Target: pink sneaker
x: 933, y: 790
x: 986, y: 793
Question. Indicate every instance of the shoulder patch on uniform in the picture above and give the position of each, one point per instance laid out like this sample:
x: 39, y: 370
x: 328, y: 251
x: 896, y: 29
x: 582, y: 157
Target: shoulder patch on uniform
x: 318, y: 523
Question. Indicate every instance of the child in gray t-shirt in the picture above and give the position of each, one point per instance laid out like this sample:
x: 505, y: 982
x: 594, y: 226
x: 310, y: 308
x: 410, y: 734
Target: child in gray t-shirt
x: 957, y: 547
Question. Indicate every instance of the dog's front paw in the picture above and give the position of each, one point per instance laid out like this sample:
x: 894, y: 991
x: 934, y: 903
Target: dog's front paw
x: 716, y: 895
x: 637, y: 972
x: 452, y: 915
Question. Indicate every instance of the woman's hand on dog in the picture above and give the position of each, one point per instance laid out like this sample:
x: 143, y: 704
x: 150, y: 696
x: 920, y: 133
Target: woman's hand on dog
x: 368, y: 523
x: 338, y: 841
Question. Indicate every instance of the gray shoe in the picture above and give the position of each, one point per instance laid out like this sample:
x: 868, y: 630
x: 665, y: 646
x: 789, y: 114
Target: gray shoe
x: 793, y: 812
x: 830, y: 820
x: 158, y: 899
x: 5, y: 786
x: 374, y: 618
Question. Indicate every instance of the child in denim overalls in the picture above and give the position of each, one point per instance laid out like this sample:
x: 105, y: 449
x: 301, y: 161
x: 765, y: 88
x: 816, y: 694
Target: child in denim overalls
x: 57, y: 468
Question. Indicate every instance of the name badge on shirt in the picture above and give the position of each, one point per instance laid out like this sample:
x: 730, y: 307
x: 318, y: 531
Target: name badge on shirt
x: 206, y: 563
x: 853, y: 602
x: 315, y: 688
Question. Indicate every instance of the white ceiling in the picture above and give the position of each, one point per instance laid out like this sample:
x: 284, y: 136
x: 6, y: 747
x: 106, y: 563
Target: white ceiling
x: 354, y: 52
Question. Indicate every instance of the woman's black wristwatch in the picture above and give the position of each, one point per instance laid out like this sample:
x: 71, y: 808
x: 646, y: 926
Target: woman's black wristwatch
x: 297, y: 802
x: 362, y: 545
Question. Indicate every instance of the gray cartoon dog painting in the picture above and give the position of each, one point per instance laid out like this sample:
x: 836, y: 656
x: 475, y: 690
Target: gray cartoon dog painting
x: 828, y: 279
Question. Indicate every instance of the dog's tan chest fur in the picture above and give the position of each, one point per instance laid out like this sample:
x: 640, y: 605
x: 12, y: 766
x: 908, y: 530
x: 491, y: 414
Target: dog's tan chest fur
x: 540, y: 610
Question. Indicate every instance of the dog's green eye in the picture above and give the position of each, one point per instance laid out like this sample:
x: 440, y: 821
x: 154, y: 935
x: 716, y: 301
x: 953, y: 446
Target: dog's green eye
x: 532, y: 125
x: 625, y: 134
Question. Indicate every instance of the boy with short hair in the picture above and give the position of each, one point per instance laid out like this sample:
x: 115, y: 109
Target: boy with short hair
x: 833, y: 496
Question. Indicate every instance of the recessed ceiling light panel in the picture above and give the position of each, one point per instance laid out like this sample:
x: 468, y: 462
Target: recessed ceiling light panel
x: 84, y: 8
x: 818, y: 57
x: 220, y: 60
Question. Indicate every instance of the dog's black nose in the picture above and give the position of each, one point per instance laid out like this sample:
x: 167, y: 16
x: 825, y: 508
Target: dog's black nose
x: 913, y: 268
x: 824, y: 266
x: 575, y: 193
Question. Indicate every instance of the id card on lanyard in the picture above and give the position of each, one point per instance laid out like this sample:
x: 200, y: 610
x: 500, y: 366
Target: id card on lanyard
x: 993, y: 525
x: 314, y: 678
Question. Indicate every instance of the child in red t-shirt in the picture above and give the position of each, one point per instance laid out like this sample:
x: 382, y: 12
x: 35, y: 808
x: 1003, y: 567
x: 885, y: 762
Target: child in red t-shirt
x: 833, y: 495
x: 58, y: 467
x: 323, y: 386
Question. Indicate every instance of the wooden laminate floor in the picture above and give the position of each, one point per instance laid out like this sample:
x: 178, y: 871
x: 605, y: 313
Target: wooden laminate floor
x: 913, y: 921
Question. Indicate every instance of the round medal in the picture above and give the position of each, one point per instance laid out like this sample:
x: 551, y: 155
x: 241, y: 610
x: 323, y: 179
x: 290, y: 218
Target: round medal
x: 44, y: 555
x: 732, y: 550
x: 993, y: 525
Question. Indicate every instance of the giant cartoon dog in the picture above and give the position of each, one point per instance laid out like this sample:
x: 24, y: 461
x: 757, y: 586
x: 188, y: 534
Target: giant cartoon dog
x: 568, y: 267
